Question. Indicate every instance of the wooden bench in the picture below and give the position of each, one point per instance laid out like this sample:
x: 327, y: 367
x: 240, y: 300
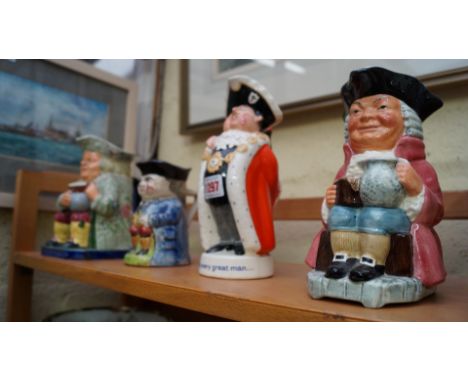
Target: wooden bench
x: 283, y: 297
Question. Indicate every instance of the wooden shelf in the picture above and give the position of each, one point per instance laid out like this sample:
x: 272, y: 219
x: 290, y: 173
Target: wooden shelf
x: 283, y: 297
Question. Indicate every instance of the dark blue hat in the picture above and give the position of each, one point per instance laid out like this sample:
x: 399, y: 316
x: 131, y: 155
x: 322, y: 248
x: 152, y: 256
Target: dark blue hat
x: 165, y: 169
x: 371, y: 81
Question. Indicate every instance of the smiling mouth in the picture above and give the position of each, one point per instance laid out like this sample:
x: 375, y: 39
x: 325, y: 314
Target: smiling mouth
x: 147, y: 189
x: 369, y: 128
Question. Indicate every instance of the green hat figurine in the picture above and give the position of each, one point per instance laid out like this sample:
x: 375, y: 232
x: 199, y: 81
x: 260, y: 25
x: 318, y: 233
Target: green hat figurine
x: 105, y: 171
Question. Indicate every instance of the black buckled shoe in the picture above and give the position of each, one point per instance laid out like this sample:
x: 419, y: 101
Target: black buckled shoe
x: 216, y: 248
x: 239, y: 249
x: 366, y: 270
x: 340, y: 267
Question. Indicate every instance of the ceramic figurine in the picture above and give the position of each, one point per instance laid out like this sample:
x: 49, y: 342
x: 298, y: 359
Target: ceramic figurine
x: 239, y: 185
x: 80, y: 219
x: 94, y: 213
x: 378, y: 245
x: 159, y: 227
x: 71, y: 225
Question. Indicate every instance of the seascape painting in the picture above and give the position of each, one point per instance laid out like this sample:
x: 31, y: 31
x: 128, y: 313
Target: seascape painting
x: 41, y: 123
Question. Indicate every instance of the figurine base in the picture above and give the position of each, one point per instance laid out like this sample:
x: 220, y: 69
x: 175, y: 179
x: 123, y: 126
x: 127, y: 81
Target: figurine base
x: 226, y: 265
x: 83, y: 253
x: 372, y: 294
x: 136, y: 260
x: 132, y: 258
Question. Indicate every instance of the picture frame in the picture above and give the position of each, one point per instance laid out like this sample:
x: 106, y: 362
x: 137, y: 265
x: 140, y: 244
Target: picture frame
x: 298, y: 85
x: 46, y: 104
x: 230, y: 67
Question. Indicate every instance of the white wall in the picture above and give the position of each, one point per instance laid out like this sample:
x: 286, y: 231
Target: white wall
x: 309, y: 150
x: 309, y: 147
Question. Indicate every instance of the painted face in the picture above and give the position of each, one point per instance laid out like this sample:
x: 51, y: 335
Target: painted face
x: 375, y: 123
x: 153, y: 186
x: 242, y: 118
x: 90, y: 166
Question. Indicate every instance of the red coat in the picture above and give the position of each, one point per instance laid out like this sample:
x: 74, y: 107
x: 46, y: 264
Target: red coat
x: 263, y: 190
x: 428, y: 264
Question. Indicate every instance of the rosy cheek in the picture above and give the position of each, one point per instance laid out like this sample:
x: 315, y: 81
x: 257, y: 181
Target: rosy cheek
x: 387, y: 119
x: 229, y: 121
x: 352, y: 125
x: 390, y: 117
x: 242, y: 120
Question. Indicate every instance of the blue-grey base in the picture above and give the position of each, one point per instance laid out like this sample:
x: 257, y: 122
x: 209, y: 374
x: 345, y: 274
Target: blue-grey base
x: 372, y: 294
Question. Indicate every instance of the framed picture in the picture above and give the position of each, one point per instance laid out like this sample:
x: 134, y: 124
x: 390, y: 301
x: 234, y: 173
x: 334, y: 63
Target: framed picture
x: 46, y: 104
x: 298, y: 85
x: 228, y: 68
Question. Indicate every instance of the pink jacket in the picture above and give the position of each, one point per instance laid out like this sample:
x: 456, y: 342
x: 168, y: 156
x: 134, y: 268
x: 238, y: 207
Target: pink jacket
x: 428, y: 265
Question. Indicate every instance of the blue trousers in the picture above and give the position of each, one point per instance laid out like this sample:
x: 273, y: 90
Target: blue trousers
x: 374, y: 220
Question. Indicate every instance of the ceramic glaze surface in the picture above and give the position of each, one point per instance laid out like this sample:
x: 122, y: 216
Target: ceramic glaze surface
x: 159, y: 226
x: 165, y: 243
x: 239, y: 185
x: 94, y: 213
x: 380, y: 185
x: 380, y: 211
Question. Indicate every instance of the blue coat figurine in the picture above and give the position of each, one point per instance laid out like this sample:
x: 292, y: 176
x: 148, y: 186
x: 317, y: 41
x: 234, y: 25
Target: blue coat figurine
x: 159, y: 226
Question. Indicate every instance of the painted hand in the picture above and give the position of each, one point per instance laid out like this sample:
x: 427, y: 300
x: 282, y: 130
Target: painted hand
x: 144, y: 220
x: 91, y: 191
x: 330, y: 196
x: 211, y: 142
x: 409, y: 178
x: 65, y: 199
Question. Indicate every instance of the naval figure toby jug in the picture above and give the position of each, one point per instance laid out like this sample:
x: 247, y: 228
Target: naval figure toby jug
x: 239, y: 185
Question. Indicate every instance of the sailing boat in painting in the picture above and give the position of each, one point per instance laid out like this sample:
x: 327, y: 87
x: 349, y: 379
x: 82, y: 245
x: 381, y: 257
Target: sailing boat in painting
x: 41, y: 123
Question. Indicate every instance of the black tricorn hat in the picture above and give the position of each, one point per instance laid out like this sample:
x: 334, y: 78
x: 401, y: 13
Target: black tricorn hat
x: 244, y: 90
x: 165, y: 169
x: 371, y: 81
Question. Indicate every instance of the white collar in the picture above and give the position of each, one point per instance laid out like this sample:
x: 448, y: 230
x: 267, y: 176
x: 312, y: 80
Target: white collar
x: 232, y: 137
